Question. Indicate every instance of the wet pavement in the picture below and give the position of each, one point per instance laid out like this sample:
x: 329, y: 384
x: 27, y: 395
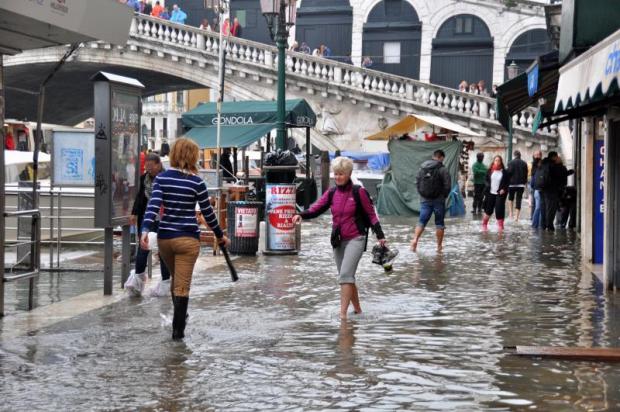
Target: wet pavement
x: 431, y: 336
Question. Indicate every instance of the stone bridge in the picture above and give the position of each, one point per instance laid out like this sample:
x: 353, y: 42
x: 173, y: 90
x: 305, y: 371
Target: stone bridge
x: 352, y: 102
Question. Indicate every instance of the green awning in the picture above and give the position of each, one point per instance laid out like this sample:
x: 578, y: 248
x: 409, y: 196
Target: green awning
x: 514, y: 97
x: 248, y: 113
x: 232, y: 136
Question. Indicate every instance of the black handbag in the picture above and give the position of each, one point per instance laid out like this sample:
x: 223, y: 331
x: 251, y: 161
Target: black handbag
x: 335, y: 238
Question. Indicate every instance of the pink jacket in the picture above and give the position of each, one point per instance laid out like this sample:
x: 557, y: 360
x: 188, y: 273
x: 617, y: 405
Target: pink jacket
x: 343, y: 208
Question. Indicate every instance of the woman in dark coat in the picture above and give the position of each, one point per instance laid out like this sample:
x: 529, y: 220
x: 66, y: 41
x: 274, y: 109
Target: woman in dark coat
x: 496, y: 190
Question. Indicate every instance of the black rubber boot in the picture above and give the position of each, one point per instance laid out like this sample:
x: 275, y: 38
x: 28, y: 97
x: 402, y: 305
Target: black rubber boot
x: 179, y: 318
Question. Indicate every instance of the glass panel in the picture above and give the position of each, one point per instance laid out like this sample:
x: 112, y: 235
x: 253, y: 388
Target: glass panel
x: 242, y: 16
x: 468, y: 26
x: 391, y: 52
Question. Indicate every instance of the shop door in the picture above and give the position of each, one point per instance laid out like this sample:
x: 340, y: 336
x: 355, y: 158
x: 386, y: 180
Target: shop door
x: 613, y: 175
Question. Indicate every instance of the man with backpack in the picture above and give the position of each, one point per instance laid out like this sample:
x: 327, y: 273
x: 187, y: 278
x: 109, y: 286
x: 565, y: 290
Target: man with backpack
x: 550, y: 180
x: 433, y: 184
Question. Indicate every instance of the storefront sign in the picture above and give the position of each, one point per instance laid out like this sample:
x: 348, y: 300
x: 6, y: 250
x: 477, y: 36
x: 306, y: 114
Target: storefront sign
x: 246, y: 222
x: 280, y: 200
x: 598, y: 215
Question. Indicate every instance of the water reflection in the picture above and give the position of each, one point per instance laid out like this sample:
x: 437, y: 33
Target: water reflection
x: 431, y: 336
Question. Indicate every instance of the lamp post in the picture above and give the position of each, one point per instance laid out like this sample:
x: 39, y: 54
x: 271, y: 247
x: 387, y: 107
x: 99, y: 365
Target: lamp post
x: 220, y: 7
x: 513, y: 71
x: 280, y: 16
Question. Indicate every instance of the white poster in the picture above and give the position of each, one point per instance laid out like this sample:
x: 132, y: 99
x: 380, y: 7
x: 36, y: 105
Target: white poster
x: 73, y: 157
x: 280, y: 201
x: 246, y: 222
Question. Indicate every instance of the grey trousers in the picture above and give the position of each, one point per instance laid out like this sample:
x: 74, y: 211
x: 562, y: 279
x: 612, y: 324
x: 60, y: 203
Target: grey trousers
x: 348, y: 256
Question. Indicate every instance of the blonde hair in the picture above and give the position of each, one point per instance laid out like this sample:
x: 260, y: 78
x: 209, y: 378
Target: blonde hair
x: 184, y: 155
x: 342, y: 165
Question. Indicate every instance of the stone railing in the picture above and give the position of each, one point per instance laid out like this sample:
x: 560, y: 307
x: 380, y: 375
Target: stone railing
x: 371, y: 84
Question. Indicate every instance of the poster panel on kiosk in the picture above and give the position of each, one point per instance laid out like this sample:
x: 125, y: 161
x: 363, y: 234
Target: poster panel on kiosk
x: 279, y: 210
x: 73, y: 158
x: 117, y: 147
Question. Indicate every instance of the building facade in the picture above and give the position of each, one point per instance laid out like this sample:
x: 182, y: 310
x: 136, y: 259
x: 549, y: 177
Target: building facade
x: 437, y: 41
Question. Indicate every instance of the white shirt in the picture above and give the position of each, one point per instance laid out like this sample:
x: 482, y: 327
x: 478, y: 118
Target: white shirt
x: 496, y: 179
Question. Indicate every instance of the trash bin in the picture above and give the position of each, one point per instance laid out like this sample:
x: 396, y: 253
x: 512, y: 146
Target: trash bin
x: 243, y: 220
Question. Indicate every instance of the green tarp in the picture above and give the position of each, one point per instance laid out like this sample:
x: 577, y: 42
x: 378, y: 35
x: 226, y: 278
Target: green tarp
x: 231, y: 136
x: 248, y: 113
x: 398, y: 195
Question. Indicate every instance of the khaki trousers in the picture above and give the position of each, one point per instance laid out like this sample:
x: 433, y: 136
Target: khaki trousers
x: 180, y: 255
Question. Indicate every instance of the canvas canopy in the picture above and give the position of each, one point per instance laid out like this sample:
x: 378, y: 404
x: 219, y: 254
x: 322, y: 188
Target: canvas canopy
x: 398, y: 195
x: 232, y: 136
x: 248, y: 113
x: 413, y: 122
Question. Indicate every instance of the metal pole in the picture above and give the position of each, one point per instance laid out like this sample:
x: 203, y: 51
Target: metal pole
x: 126, y: 253
x: 308, y: 160
x: 59, y: 235
x: 281, y: 42
x: 509, y: 148
x: 2, y: 208
x: 51, y: 245
x: 220, y: 100
x: 108, y: 261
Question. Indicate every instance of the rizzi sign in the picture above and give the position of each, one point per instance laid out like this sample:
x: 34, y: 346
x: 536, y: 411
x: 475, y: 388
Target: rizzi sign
x: 233, y: 120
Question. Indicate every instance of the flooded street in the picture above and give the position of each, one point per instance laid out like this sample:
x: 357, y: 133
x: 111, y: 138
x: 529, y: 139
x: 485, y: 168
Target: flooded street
x: 431, y: 336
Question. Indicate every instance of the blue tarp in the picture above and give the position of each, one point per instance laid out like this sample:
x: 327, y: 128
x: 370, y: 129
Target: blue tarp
x: 376, y: 161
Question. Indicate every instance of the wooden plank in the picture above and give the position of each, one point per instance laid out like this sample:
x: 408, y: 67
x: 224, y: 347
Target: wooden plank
x: 576, y: 353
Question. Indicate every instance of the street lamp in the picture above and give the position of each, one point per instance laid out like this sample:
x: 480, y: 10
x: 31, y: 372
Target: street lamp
x: 513, y: 70
x: 220, y: 7
x: 280, y: 16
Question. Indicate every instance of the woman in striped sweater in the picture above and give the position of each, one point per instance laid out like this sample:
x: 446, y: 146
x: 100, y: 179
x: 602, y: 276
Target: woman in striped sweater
x: 175, y: 193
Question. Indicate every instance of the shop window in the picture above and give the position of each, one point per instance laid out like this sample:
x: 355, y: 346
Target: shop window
x: 391, y: 52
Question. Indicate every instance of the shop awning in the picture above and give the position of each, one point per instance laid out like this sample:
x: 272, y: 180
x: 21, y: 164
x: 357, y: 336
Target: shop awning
x: 248, y: 113
x: 590, y: 77
x: 231, y: 136
x: 31, y: 24
x: 526, y: 90
x: 413, y: 122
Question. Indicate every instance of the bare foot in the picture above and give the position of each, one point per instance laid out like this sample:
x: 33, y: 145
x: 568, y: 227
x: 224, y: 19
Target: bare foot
x: 414, y: 245
x: 439, y: 248
x: 343, y: 317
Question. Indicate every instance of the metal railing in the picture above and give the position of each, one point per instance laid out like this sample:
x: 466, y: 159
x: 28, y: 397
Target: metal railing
x: 34, y: 265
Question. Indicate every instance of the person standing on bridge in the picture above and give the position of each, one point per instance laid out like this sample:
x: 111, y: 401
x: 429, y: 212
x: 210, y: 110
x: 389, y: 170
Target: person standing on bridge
x: 157, y: 10
x: 236, y: 28
x: 153, y: 168
x: 434, y: 185
x: 177, y: 190
x: 352, y: 215
x: 178, y: 15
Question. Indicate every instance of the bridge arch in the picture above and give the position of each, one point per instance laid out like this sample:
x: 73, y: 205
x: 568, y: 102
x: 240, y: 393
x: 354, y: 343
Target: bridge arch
x: 392, y: 37
x: 462, y: 50
x: 526, y: 48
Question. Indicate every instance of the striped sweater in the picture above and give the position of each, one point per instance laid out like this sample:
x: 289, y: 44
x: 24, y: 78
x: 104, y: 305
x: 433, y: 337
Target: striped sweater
x: 178, y: 193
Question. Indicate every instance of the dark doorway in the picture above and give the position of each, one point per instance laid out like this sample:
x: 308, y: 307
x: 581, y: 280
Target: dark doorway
x: 462, y: 50
x: 392, y: 37
x: 253, y: 24
x: 612, y: 171
x: 327, y: 22
x: 526, y: 48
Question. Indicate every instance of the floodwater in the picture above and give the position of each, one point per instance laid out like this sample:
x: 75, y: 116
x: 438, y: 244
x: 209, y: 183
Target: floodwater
x: 431, y: 336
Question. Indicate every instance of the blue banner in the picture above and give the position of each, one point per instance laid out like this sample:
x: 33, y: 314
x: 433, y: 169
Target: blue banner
x: 598, y: 215
x: 532, y: 81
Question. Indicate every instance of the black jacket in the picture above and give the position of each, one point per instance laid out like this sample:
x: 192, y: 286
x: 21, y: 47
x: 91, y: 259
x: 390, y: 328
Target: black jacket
x: 503, y: 184
x: 517, y: 169
x: 558, y: 177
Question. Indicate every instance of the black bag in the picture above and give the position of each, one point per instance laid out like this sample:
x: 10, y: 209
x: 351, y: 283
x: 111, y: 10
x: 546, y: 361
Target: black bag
x: 541, y: 178
x: 336, y: 238
x: 430, y: 182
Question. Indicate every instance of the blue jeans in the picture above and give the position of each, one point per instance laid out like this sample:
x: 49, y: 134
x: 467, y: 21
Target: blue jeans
x: 537, y: 210
x: 429, y: 207
x: 142, y: 259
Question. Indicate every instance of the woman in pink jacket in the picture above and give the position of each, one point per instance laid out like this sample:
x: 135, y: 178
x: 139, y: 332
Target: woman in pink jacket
x: 352, y: 215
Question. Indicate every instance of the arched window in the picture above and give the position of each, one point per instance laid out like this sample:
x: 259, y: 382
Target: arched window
x: 462, y: 50
x: 327, y: 22
x: 526, y: 48
x: 392, y: 37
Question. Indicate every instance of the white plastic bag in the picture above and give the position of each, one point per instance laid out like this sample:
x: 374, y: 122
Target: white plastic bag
x: 135, y: 284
